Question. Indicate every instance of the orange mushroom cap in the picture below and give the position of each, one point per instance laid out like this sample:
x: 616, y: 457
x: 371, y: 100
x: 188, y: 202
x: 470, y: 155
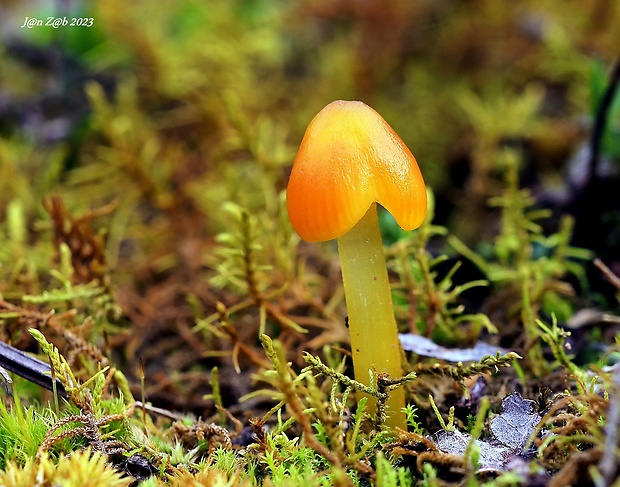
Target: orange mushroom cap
x: 350, y: 158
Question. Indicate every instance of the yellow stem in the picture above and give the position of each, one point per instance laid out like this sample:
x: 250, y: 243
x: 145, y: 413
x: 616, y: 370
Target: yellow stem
x: 374, y: 336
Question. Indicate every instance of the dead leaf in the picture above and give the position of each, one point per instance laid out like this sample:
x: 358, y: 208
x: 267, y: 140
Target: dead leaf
x: 517, y: 422
x: 491, y: 456
x: 423, y: 346
x: 512, y: 429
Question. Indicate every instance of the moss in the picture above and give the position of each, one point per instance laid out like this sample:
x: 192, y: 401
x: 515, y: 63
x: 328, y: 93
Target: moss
x: 143, y: 234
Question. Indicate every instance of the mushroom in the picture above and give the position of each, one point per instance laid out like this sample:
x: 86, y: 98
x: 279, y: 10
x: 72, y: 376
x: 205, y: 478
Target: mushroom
x: 349, y: 160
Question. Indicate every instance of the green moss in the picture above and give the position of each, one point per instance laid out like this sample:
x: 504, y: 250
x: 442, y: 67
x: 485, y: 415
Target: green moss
x: 142, y: 212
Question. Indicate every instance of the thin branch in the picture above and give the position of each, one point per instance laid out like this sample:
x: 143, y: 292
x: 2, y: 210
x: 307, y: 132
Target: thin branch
x: 600, y: 122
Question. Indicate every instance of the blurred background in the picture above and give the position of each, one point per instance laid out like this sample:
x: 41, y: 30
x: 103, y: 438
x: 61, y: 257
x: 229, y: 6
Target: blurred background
x: 158, y: 115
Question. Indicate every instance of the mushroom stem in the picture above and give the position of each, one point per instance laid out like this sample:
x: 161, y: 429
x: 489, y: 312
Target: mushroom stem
x: 374, y: 336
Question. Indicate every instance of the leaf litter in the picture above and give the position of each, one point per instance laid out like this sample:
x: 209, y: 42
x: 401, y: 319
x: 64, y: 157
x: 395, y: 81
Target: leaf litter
x: 424, y: 346
x: 512, y: 430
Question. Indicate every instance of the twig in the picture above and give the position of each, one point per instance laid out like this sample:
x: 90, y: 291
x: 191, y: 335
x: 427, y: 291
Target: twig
x: 611, y: 277
x: 608, y: 463
x: 600, y: 123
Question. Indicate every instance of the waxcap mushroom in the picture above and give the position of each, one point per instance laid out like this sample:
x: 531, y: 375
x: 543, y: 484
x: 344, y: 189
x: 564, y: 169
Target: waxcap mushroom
x: 350, y: 158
